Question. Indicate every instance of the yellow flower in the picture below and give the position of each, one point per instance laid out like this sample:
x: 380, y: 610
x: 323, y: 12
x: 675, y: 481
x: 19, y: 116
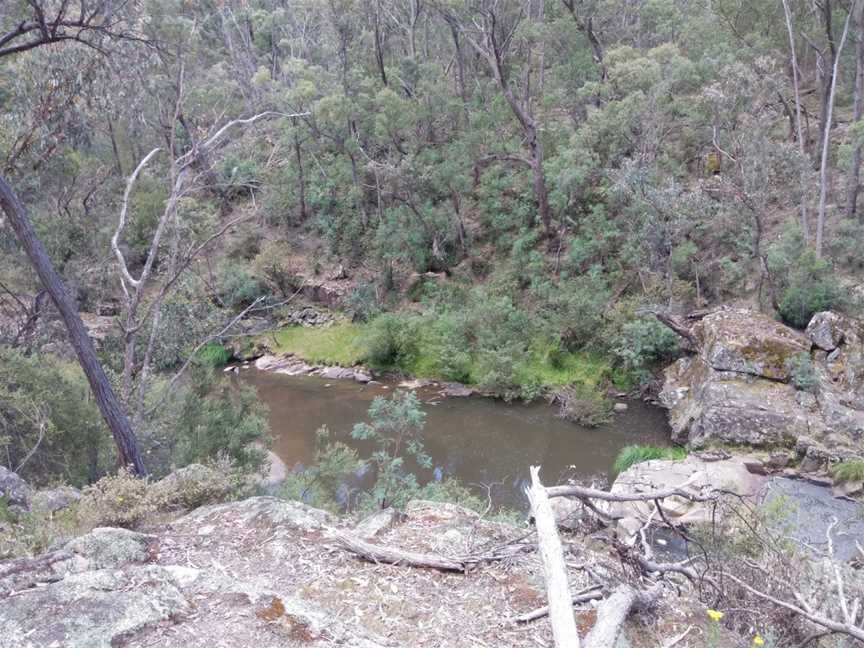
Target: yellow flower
x: 715, y: 615
x: 758, y: 640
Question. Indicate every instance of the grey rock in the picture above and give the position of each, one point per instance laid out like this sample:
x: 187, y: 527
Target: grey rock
x: 95, y: 609
x: 15, y: 490
x: 379, y: 521
x: 620, y: 407
x: 701, y: 476
x: 568, y: 512
x: 748, y: 342
x: 362, y: 377
x: 55, y: 499
x: 736, y: 390
x: 458, y: 390
x: 825, y: 330
x: 107, y: 548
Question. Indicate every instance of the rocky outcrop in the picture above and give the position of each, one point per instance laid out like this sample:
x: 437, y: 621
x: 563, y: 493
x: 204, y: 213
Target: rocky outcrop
x: 16, y: 493
x: 701, y: 476
x: 264, y: 572
x: 290, y: 365
x: 754, y: 381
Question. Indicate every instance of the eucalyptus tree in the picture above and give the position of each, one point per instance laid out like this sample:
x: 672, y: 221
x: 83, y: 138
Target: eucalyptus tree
x: 27, y: 26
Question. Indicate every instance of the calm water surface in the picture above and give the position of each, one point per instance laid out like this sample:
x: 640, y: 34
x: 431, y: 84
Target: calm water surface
x: 479, y: 440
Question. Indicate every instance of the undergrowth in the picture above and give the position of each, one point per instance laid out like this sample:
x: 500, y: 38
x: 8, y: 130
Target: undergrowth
x: 849, y: 471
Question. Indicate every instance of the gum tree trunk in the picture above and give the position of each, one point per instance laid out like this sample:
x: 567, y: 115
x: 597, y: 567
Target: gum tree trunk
x: 112, y: 412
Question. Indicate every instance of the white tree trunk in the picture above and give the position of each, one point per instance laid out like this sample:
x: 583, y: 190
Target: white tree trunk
x: 555, y: 570
x: 823, y: 168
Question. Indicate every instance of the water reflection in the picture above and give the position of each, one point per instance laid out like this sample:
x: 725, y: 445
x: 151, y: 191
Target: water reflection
x: 478, y: 440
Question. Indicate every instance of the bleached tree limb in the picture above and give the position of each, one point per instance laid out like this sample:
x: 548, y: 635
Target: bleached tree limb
x: 391, y: 556
x: 589, y: 594
x: 837, y: 627
x: 554, y: 568
x: 612, y: 613
x: 823, y: 165
x: 121, y: 224
x: 572, y: 490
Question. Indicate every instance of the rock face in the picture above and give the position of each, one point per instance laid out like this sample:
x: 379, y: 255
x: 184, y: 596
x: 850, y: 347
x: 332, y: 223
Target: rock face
x: 264, y: 572
x: 14, y: 490
x: 739, y: 386
x: 700, y: 476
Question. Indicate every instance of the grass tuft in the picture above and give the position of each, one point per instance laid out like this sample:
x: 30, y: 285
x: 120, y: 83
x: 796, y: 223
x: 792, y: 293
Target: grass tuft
x: 334, y: 345
x: 849, y: 471
x: 634, y: 454
x: 213, y: 354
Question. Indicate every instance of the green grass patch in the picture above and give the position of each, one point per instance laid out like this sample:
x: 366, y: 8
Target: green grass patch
x: 334, y: 345
x: 634, y: 454
x: 848, y: 471
x: 569, y: 368
x: 213, y: 355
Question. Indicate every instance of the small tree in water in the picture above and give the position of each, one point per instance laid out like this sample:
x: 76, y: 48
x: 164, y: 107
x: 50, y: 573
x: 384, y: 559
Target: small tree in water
x: 396, y: 427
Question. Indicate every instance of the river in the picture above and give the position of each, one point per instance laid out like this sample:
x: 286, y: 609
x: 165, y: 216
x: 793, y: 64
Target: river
x: 478, y: 440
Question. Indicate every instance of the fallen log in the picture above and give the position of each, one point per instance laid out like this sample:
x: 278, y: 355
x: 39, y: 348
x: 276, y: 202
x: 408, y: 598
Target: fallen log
x: 613, y: 611
x: 590, y: 594
x: 580, y: 492
x: 554, y: 568
x: 391, y: 556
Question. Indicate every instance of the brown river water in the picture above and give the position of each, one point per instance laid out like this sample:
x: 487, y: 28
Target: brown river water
x: 478, y: 440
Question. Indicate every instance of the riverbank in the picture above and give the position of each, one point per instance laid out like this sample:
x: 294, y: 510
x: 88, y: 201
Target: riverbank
x: 539, y: 371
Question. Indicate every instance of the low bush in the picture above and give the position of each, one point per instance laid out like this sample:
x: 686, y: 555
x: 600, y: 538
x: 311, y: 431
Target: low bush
x: 634, y: 454
x: 642, y: 343
x: 803, y: 373
x: 119, y: 500
x: 584, y: 405
x: 848, y: 471
x: 213, y: 354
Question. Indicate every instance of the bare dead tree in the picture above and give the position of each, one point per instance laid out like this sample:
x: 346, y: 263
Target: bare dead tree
x: 86, y: 22
x: 854, y: 182
x: 135, y: 289
x: 826, y: 133
x: 805, y: 223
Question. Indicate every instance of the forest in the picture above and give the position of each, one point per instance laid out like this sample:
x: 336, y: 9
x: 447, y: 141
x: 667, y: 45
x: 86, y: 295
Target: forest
x: 521, y: 198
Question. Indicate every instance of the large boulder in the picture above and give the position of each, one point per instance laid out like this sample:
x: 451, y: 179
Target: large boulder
x: 743, y: 386
x: 706, y: 405
x: 95, y: 609
x: 55, y: 499
x: 14, y: 490
x: 699, y: 476
x: 747, y: 342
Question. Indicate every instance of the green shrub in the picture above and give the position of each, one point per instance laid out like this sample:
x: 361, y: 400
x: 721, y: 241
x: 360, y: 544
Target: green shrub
x: 851, y: 470
x: 643, y: 342
x: 213, y: 354
x: 239, y: 176
x: 119, y: 500
x: 803, y: 373
x: 216, y: 418
x: 196, y: 485
x: 390, y: 341
x: 584, y: 405
x: 46, y: 407
x: 807, y: 283
x: 634, y: 454
x: 237, y: 287
x: 395, y: 429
